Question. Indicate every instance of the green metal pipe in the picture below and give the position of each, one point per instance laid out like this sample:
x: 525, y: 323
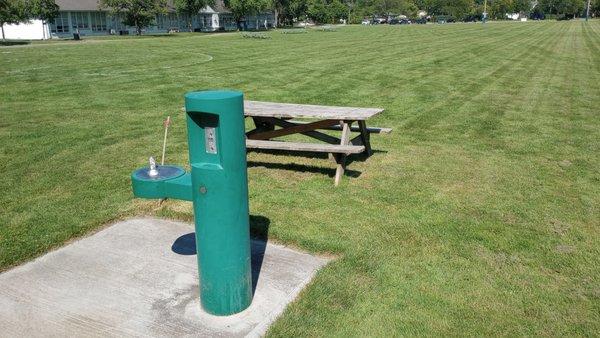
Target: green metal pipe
x: 217, y: 149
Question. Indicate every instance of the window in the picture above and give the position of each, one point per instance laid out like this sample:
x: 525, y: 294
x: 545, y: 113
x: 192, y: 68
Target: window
x: 98, y: 21
x: 206, y: 21
x: 79, y: 20
x: 61, y: 23
x: 227, y: 20
x: 173, y: 20
x: 167, y: 21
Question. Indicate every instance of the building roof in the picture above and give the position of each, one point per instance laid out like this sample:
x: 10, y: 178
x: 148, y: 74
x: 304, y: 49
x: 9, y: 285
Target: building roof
x: 78, y: 5
x: 220, y: 7
x: 93, y: 5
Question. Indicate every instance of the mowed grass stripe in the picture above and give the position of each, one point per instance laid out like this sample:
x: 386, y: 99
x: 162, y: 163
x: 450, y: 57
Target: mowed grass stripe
x: 477, y: 215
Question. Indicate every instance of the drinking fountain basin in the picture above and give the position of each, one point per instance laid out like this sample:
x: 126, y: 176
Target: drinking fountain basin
x: 162, y: 181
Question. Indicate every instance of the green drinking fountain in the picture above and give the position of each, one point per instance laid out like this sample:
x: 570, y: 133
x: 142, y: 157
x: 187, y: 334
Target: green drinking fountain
x: 217, y: 185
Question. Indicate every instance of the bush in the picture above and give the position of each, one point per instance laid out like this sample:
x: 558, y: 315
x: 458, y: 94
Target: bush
x: 249, y: 35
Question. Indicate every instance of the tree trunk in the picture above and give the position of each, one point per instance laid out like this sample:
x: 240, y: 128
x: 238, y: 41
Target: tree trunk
x: 3, y: 37
x: 276, y: 12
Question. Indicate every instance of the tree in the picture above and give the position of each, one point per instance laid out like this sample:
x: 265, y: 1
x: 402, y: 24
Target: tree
x: 191, y: 7
x: 136, y: 13
x: 45, y: 10
x: 326, y: 11
x: 279, y: 7
x: 240, y: 8
x: 595, y: 8
x: 562, y: 8
x: 388, y: 7
x: 458, y: 9
x: 499, y: 8
x: 12, y: 12
x: 522, y: 6
x: 296, y: 10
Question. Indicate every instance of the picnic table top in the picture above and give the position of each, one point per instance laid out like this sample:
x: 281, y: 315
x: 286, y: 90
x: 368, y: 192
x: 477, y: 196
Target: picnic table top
x: 290, y: 110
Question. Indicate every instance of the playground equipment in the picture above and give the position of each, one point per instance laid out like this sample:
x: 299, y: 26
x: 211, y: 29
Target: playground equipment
x: 218, y: 187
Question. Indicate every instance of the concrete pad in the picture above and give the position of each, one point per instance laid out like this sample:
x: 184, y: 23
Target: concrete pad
x: 139, y: 278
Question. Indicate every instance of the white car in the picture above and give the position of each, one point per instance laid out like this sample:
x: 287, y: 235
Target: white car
x: 366, y: 22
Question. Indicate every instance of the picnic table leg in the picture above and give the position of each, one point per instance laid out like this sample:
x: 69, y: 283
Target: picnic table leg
x: 365, y: 137
x: 341, y: 158
x: 260, y: 125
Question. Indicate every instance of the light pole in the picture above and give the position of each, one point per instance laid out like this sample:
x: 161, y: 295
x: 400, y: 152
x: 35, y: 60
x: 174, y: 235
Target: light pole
x: 587, y: 11
x: 485, y: 10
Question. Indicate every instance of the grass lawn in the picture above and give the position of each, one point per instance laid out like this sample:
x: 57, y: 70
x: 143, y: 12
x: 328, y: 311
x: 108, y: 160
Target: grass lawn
x: 479, y: 215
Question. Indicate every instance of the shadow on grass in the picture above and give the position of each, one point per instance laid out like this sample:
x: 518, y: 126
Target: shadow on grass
x: 259, y: 231
x: 303, y: 168
x: 310, y: 168
x: 14, y: 43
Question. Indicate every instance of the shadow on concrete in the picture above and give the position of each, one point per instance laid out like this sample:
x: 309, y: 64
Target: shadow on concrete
x: 259, y: 232
x: 185, y: 245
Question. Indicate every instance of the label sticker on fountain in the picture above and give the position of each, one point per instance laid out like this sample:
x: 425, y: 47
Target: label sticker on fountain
x: 210, y: 140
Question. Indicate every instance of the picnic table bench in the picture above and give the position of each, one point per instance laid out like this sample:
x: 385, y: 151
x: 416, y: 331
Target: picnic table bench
x: 269, y: 115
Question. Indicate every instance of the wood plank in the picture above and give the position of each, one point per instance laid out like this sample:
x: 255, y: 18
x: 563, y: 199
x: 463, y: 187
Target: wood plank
x: 366, y: 137
x: 260, y: 126
x: 372, y: 130
x: 301, y: 146
x: 341, y: 158
x: 291, y: 129
x: 289, y: 110
x: 313, y: 133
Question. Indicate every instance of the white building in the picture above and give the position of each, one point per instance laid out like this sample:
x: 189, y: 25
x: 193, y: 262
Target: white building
x: 33, y: 30
x: 86, y: 17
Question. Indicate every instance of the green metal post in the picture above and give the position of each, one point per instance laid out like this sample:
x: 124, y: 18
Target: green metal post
x: 217, y: 149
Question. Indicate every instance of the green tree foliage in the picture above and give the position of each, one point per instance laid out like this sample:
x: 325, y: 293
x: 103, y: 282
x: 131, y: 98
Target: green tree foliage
x: 17, y: 11
x: 190, y: 8
x: 595, y: 8
x: 498, y: 9
x: 12, y: 12
x: 388, y: 7
x: 522, y: 6
x: 136, y: 13
x: 326, y: 11
x: 45, y: 10
x: 562, y: 8
x: 296, y: 10
x: 241, y: 8
x: 457, y: 9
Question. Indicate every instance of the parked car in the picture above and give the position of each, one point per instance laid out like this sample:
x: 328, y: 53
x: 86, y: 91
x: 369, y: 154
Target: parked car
x: 377, y: 21
x: 420, y: 21
x: 445, y: 19
x: 366, y: 22
x: 400, y: 22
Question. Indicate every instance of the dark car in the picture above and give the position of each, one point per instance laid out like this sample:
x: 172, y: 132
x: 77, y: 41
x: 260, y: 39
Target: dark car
x: 400, y: 22
x: 420, y: 21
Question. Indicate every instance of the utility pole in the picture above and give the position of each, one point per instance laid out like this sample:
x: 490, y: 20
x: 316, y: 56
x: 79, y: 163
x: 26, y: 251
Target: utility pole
x: 485, y: 10
x: 587, y: 11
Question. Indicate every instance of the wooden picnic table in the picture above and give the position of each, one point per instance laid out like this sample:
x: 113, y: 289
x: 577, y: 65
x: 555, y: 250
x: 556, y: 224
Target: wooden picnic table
x: 269, y: 115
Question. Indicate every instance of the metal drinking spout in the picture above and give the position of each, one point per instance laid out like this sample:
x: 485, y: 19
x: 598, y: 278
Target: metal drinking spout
x: 153, y: 172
